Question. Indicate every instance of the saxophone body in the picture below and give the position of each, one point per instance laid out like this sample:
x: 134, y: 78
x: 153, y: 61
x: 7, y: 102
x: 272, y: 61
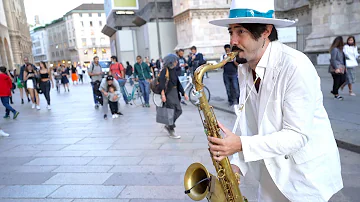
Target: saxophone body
x: 198, y: 182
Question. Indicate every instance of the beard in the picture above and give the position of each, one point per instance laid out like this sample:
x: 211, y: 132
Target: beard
x: 239, y: 59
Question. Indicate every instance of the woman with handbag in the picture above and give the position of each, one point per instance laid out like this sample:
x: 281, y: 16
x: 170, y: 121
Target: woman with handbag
x: 170, y: 87
x: 337, y: 66
x: 351, y: 53
x: 30, y: 77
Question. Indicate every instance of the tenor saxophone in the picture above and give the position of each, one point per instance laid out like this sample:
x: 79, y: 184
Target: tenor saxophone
x: 198, y: 182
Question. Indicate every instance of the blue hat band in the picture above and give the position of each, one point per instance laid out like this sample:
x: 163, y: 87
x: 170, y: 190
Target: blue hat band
x: 241, y: 13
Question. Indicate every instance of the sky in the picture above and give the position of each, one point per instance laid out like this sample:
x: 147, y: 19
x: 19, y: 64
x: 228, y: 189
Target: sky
x: 49, y: 10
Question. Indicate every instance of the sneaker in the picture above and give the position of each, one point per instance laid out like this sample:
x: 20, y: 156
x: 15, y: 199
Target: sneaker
x: 38, y: 107
x: 33, y: 106
x: 183, y: 102
x: 22, y: 101
x: 116, y: 116
x: 16, y: 115
x: 173, y: 135
x: 148, y: 105
x: 113, y: 116
x: 6, y: 117
x: 105, y: 116
x: 96, y: 106
x: 119, y: 113
x: 2, y: 133
x: 338, y: 97
x: 29, y: 100
x: 48, y: 107
x: 352, y: 94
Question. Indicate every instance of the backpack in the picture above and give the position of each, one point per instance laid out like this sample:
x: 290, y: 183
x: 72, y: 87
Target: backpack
x: 155, y: 84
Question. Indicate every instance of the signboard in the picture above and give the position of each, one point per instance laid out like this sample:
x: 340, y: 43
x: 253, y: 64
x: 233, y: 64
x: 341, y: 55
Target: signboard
x: 287, y: 35
x: 116, y: 5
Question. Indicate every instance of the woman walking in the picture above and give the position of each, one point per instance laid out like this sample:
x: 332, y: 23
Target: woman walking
x: 64, y: 78
x: 337, y: 66
x: 30, y: 77
x: 45, y: 80
x: 351, y: 54
x: 74, y: 76
x: 170, y: 89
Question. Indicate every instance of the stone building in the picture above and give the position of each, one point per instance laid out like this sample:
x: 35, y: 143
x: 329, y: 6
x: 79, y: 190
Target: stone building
x: 318, y: 22
x: 19, y: 35
x: 192, y: 18
x: 6, y: 57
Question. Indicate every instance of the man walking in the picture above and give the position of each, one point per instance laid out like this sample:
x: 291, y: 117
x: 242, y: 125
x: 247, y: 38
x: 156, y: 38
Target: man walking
x: 23, y: 87
x: 95, y: 73
x: 230, y: 78
x: 142, y: 74
x: 5, y: 93
x: 181, y: 69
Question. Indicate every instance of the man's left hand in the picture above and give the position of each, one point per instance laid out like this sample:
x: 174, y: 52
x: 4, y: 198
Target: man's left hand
x: 221, y: 148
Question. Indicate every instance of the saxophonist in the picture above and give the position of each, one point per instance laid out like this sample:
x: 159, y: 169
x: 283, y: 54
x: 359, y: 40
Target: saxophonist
x: 286, y: 139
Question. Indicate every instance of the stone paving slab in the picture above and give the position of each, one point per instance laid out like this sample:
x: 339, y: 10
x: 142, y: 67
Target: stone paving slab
x: 82, y: 169
x: 24, y: 178
x: 115, y: 161
x: 140, y: 169
x: 60, y: 161
x: 62, y: 141
x: 36, y: 200
x: 114, y: 153
x: 78, y: 178
x: 87, y: 147
x: 101, y: 200
x: 14, y: 161
x: 37, y: 148
x: 153, y: 192
x: 87, y: 191
x: 60, y: 153
x: 27, y: 169
x: 18, y: 153
x: 27, y: 191
x: 145, y: 179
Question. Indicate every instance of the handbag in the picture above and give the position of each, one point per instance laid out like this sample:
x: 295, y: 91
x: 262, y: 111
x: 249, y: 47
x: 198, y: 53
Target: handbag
x: 339, y: 70
x: 165, y: 115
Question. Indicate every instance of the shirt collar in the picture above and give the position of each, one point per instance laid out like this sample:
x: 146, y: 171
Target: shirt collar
x: 263, y: 63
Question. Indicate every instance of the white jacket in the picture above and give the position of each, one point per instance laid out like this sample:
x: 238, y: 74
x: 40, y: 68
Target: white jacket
x: 351, y: 52
x: 295, y: 137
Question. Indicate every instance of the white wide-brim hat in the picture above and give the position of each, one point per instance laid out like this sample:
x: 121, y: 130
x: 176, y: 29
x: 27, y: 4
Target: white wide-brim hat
x: 254, y: 11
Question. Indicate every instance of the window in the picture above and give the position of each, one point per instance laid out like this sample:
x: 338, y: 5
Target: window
x: 99, y: 14
x: 80, y: 14
x: 90, y: 14
x: 61, y: 53
x: 100, y: 23
x: 53, y: 54
x: 82, y: 23
x: 93, y: 41
x: 91, y: 24
x: 83, y: 42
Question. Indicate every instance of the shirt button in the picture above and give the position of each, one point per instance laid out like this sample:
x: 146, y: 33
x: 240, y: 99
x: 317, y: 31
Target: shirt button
x: 286, y: 156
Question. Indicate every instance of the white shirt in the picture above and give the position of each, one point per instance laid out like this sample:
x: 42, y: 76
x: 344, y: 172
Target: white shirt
x: 351, y: 52
x: 79, y: 70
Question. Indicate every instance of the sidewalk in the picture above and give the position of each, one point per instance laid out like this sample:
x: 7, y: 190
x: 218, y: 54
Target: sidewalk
x: 344, y: 115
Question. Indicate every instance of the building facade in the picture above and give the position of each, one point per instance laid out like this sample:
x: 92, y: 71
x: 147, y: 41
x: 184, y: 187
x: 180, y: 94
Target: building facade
x: 192, y: 18
x: 58, y: 42
x: 85, y: 39
x: 19, y: 35
x: 40, y: 45
x: 6, y: 57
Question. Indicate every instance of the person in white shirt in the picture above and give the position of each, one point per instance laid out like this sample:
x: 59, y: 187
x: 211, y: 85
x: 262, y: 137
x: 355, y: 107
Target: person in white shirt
x: 351, y: 55
x: 80, y: 72
x: 286, y: 139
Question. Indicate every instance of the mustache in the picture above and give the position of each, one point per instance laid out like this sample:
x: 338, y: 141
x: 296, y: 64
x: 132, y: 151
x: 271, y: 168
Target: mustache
x: 236, y: 49
x: 239, y: 59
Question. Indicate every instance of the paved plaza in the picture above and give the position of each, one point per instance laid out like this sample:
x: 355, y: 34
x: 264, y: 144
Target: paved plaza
x: 71, y: 154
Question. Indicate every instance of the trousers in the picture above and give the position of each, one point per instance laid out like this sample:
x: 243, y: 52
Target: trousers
x: 45, y: 88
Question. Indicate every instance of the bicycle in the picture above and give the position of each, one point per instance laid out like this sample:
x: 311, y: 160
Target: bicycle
x: 136, y: 95
x: 190, y: 89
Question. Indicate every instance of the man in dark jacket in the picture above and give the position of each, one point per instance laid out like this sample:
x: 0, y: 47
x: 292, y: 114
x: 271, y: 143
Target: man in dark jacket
x: 181, y: 69
x: 230, y: 76
x: 195, y: 60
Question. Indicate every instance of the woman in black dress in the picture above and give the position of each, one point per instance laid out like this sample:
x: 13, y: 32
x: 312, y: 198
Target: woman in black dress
x: 64, y: 77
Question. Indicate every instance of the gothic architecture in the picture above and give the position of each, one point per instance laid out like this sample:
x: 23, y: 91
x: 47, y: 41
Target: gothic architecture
x: 193, y: 28
x: 318, y: 22
x: 18, y: 43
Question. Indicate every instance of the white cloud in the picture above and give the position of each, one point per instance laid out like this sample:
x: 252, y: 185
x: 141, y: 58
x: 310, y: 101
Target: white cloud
x: 49, y: 10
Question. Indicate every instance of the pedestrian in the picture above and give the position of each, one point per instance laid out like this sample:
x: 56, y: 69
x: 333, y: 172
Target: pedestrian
x: 171, y: 89
x: 129, y: 73
x: 20, y: 83
x: 2, y: 133
x: 104, y: 89
x: 5, y: 93
x: 195, y: 60
x: 117, y: 70
x: 95, y: 73
x: 30, y: 78
x: 142, y: 74
x: 80, y: 72
x: 230, y: 77
x: 46, y: 82
x: 181, y: 69
x: 337, y: 66
x: 351, y: 55
x: 286, y: 138
x: 65, y: 73
x: 74, y: 76
x: 113, y: 97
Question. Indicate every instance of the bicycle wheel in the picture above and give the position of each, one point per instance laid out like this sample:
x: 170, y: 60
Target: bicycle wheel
x: 138, y: 98
x: 194, y: 100
x: 157, y: 100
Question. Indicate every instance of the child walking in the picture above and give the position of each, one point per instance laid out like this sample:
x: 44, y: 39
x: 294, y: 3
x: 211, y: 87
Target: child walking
x: 113, y: 101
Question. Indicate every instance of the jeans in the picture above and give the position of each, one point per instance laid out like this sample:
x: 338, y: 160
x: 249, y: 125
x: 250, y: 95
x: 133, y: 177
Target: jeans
x: 232, y: 88
x: 94, y: 96
x: 339, y: 79
x: 5, y: 102
x: 145, y: 89
x: 45, y: 88
x: 129, y: 77
x: 122, y: 83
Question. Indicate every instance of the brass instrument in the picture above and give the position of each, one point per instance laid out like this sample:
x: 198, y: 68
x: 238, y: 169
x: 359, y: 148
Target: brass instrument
x: 198, y: 182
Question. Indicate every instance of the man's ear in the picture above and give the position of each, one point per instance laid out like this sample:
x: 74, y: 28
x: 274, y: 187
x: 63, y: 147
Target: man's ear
x: 267, y: 31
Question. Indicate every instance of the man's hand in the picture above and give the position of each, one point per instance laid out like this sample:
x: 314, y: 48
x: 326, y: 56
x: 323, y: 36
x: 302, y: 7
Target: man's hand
x: 236, y: 170
x: 163, y: 98
x: 106, y: 94
x: 186, y: 97
x: 221, y: 148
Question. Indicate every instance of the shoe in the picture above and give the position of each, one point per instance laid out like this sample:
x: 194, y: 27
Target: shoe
x: 33, y: 106
x: 29, y: 100
x: 338, y: 98
x: 38, y: 107
x: 119, y: 113
x: 12, y: 102
x: 173, y: 135
x: 16, y: 115
x: 6, y: 117
x: 113, y: 116
x: 116, y: 116
x: 22, y: 101
x: 48, y: 107
x: 105, y: 116
x: 148, y: 105
x: 2, y: 133
x: 183, y: 102
x: 352, y: 94
x: 96, y: 106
